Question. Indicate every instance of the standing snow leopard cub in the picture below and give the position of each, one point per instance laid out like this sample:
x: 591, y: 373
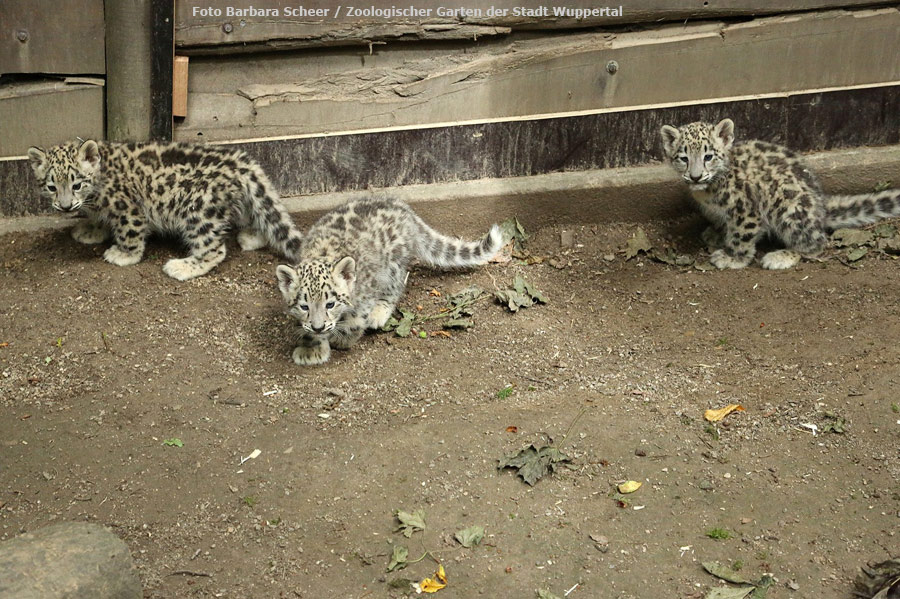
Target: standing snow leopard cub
x: 196, y: 192
x: 353, y: 267
x: 749, y: 189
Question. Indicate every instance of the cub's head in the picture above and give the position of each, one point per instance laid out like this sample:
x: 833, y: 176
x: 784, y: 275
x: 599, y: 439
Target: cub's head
x: 317, y: 293
x: 699, y: 151
x: 66, y: 173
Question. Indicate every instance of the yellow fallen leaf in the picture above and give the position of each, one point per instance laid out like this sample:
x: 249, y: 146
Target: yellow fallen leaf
x: 716, y: 415
x: 429, y: 585
x: 629, y: 486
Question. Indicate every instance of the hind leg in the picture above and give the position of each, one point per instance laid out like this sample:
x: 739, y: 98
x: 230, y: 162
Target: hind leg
x: 780, y: 259
x: 251, y: 239
x: 312, y: 350
x: 207, y: 251
x: 802, y: 230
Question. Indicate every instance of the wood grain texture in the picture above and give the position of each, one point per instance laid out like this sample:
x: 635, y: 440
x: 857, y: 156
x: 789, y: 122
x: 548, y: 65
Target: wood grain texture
x: 200, y: 33
x: 180, y: 86
x: 63, y: 37
x: 552, y: 74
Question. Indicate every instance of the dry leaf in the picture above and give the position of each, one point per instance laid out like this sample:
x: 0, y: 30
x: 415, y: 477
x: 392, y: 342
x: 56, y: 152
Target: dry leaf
x: 440, y: 334
x: 716, y: 415
x: 434, y: 293
x: 629, y: 487
x: 512, y: 429
x: 430, y: 585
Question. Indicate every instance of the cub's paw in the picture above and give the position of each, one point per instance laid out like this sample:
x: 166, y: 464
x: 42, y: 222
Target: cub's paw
x: 379, y: 315
x: 721, y: 260
x: 780, y: 259
x: 89, y: 234
x: 310, y: 355
x: 250, y: 239
x: 119, y: 257
x: 183, y: 269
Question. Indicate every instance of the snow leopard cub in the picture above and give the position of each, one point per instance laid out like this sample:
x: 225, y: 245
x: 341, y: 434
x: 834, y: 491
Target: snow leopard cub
x: 353, y: 267
x: 196, y: 192
x: 753, y: 188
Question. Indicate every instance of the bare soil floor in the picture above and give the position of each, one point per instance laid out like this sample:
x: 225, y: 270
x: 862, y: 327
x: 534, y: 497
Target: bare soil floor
x: 100, y: 365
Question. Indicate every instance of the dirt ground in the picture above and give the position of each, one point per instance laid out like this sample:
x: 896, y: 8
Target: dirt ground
x: 100, y: 365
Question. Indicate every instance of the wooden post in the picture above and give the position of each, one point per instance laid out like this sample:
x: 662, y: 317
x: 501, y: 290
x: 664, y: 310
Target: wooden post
x: 162, y: 58
x: 128, y: 70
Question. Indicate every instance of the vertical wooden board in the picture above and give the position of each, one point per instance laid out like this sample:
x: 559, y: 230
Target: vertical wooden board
x: 52, y: 36
x: 180, y: 86
x: 162, y: 57
x: 128, y: 98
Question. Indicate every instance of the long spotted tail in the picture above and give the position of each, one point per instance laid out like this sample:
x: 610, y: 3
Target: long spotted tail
x: 443, y: 251
x: 863, y: 209
x: 269, y: 216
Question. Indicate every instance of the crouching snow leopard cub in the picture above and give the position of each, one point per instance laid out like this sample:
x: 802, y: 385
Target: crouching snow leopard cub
x: 196, y: 192
x: 753, y: 188
x: 353, y: 267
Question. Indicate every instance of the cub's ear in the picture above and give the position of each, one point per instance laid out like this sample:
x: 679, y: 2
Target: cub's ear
x: 345, y: 270
x: 670, y: 138
x: 38, y: 160
x: 89, y: 154
x: 287, y: 278
x: 725, y: 132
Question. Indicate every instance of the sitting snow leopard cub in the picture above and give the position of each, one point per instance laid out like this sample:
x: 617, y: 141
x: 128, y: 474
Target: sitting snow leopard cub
x: 749, y: 189
x: 353, y: 267
x: 196, y: 192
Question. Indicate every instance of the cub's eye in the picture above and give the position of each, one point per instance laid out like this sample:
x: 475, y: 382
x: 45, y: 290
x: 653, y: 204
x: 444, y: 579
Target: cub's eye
x: 76, y: 186
x: 329, y: 305
x: 304, y: 307
x: 708, y: 157
x: 51, y: 187
x: 684, y: 159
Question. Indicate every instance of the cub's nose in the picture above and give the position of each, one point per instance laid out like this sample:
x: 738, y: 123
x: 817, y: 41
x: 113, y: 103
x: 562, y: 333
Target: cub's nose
x: 317, y: 329
x: 696, y: 178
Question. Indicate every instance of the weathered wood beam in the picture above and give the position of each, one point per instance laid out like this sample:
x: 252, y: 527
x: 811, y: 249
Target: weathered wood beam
x: 550, y: 75
x: 224, y: 32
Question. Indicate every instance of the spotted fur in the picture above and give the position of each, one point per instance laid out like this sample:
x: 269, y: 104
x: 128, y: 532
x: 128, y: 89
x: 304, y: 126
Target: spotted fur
x: 196, y: 192
x: 750, y: 189
x: 353, y: 268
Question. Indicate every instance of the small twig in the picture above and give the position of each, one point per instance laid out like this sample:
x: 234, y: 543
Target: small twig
x: 568, y: 430
x: 105, y: 342
x: 189, y: 573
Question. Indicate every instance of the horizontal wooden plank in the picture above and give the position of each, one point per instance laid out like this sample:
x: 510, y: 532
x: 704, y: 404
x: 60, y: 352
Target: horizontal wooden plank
x: 526, y: 76
x: 49, y: 112
x: 300, y: 166
x: 52, y: 36
x: 245, y: 25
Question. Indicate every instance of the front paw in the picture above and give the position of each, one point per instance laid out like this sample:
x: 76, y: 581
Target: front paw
x: 89, y: 234
x: 721, y: 260
x: 379, y: 315
x: 312, y: 354
x: 119, y: 257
